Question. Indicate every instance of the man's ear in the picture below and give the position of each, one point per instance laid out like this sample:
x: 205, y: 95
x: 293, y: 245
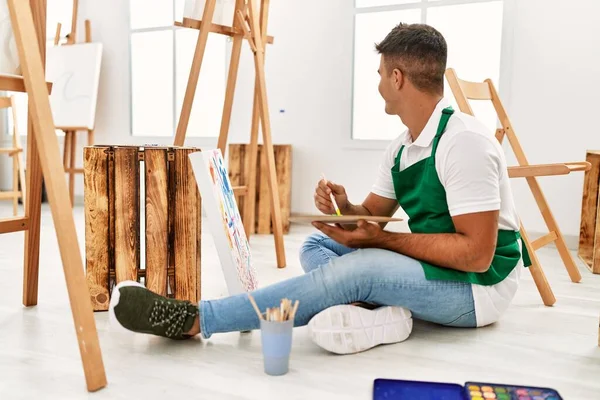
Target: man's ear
x: 398, y: 78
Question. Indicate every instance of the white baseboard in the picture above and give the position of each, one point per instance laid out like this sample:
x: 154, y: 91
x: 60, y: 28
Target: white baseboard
x: 78, y: 199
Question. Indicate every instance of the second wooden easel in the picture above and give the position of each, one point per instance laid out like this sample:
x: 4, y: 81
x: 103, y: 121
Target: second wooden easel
x: 28, y: 20
x: 70, y: 143
x: 246, y: 25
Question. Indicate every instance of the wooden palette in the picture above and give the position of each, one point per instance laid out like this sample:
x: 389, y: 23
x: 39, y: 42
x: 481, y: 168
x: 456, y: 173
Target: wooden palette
x: 343, y: 219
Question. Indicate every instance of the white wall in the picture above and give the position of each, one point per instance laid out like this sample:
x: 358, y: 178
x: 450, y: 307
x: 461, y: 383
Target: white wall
x: 553, y: 71
x: 553, y: 99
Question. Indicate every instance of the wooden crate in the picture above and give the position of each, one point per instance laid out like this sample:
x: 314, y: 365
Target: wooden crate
x: 589, y: 232
x: 172, y: 208
x: 239, y: 165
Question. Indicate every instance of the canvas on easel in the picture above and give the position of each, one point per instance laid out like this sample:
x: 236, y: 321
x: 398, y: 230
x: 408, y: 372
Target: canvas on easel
x: 74, y: 71
x: 224, y: 220
x: 223, y: 15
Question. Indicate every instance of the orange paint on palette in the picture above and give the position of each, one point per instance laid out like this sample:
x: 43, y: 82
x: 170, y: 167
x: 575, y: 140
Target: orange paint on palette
x: 487, y: 389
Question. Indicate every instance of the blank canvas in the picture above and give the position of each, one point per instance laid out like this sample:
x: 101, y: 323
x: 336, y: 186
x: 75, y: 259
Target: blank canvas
x: 74, y: 71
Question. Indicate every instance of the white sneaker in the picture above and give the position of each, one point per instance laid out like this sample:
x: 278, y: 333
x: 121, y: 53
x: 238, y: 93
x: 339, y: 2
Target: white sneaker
x: 347, y: 329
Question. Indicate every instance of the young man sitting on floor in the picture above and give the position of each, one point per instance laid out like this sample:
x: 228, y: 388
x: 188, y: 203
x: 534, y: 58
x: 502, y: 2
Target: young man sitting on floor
x: 459, y: 266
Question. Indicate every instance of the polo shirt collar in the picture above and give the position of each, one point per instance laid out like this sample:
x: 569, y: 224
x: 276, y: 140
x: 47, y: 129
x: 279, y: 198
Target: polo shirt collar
x: 430, y: 130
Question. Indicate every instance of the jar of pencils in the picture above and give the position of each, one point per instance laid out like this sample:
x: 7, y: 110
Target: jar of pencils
x: 276, y: 326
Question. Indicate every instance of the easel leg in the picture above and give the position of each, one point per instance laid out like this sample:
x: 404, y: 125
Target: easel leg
x: 259, y: 64
x: 231, y: 81
x: 15, y: 188
x: 21, y: 168
x: 72, y: 167
x: 66, y: 148
x: 33, y: 211
x: 272, y: 179
x: 31, y: 50
x: 250, y: 200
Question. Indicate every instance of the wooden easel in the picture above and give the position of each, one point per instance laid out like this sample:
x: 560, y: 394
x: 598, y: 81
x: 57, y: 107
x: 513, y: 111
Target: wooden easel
x: 256, y: 34
x: 43, y: 157
x: 70, y: 143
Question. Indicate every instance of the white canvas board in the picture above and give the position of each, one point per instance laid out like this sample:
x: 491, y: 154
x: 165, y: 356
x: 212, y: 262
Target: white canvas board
x: 74, y: 71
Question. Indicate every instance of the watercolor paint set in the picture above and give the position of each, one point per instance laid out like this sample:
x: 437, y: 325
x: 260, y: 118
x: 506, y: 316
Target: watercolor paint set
x: 392, y: 389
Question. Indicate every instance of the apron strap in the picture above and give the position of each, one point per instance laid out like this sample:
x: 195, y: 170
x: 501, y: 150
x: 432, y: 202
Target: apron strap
x: 397, y: 160
x: 524, y: 252
x: 446, y: 114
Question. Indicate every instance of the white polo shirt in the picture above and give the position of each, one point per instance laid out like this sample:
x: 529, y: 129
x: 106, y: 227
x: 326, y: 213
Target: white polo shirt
x: 471, y: 166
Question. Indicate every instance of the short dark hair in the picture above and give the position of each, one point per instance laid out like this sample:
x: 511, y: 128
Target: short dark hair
x: 420, y: 52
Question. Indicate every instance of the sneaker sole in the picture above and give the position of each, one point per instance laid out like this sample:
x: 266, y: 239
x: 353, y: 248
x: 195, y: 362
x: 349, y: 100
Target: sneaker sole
x: 348, y: 329
x: 115, y: 325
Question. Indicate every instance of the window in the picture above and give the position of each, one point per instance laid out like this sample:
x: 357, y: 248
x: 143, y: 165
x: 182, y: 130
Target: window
x: 161, y: 57
x: 472, y: 29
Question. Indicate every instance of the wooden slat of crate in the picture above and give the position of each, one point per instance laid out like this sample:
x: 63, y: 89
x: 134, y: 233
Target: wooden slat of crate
x: 187, y: 229
x: 238, y: 165
x: 171, y: 224
x: 283, y: 155
x: 157, y: 228
x: 237, y: 170
x: 95, y: 179
x: 111, y: 220
x: 283, y: 168
x: 127, y: 213
x: 589, y: 233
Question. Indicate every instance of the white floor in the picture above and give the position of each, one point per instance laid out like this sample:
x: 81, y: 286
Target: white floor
x: 532, y: 344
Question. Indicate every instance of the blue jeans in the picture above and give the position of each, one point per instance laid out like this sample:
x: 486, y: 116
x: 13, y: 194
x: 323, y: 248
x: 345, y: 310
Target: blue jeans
x: 339, y: 275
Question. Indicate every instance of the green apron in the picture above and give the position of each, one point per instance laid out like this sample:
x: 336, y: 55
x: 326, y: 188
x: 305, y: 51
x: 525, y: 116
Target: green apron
x: 422, y: 196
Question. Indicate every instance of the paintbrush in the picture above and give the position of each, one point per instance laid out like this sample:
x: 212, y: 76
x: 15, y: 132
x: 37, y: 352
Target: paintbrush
x: 255, y: 306
x: 284, y: 312
x: 337, y: 209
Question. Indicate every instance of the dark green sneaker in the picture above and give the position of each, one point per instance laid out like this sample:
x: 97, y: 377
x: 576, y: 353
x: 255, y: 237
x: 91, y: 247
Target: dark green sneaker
x: 135, y: 308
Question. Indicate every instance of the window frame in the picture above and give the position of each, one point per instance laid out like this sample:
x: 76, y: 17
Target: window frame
x: 508, y: 9
x: 202, y: 141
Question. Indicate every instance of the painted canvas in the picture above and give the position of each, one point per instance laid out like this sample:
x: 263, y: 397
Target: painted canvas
x: 74, y: 71
x: 224, y: 220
